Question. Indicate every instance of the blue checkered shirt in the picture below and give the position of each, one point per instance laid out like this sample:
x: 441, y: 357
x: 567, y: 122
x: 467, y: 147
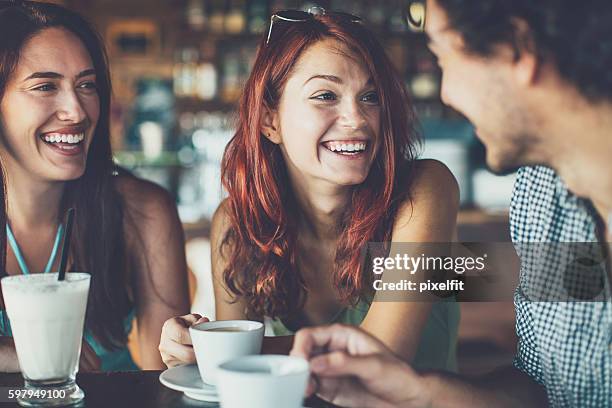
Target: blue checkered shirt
x: 565, y: 346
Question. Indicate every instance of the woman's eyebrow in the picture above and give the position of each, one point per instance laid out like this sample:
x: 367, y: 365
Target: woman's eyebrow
x: 44, y: 75
x: 331, y: 78
x: 335, y: 79
x: 86, y: 72
x: 55, y: 75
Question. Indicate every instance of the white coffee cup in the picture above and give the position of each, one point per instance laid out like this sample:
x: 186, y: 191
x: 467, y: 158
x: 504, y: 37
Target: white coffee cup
x: 262, y: 382
x: 217, y: 342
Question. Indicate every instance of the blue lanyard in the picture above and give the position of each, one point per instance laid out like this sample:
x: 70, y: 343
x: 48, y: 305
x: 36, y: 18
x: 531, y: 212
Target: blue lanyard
x: 19, y: 256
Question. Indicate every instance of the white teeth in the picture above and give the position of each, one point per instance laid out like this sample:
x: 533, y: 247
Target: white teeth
x: 346, y: 147
x: 64, y: 138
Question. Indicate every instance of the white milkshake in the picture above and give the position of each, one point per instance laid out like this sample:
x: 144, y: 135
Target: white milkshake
x: 47, y: 318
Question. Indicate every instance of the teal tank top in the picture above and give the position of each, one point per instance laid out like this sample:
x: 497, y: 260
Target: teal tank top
x: 437, y: 349
x: 118, y: 360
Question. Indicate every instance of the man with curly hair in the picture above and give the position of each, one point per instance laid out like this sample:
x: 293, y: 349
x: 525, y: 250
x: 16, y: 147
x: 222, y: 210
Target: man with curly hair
x: 535, y: 79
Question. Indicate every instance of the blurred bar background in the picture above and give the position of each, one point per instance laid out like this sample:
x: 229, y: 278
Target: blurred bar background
x: 178, y: 67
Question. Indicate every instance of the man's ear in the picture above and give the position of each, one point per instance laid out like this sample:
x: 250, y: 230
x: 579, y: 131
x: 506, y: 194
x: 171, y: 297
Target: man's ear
x: 270, y: 125
x: 526, y: 61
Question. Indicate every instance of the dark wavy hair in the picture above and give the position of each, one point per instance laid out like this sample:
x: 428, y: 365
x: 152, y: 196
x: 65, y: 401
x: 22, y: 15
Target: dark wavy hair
x: 575, y: 35
x: 261, y: 240
x: 98, y: 244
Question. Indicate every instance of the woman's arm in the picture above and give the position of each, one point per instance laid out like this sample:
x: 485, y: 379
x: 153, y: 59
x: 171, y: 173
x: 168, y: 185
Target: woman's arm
x: 226, y: 306
x: 175, y: 345
x: 430, y: 216
x: 156, y: 251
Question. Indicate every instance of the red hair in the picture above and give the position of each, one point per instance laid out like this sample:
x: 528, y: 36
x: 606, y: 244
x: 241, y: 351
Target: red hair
x: 262, y: 237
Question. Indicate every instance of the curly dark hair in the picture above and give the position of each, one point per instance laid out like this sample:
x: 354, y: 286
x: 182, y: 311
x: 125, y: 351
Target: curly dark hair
x: 575, y: 35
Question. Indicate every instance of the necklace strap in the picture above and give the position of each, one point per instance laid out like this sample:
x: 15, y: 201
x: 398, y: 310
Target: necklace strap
x: 19, y: 255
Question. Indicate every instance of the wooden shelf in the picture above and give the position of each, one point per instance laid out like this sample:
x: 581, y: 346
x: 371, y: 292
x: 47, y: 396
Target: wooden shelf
x: 477, y: 216
x: 479, y: 225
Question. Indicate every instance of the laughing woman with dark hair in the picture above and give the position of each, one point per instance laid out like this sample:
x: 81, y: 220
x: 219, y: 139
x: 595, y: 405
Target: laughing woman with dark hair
x: 323, y: 162
x: 55, y: 150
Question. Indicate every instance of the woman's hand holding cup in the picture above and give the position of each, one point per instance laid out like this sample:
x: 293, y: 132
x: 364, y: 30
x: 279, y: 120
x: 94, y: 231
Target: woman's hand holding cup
x: 175, y: 345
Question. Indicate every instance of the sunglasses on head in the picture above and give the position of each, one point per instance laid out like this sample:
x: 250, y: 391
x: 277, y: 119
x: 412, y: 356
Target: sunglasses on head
x: 299, y: 16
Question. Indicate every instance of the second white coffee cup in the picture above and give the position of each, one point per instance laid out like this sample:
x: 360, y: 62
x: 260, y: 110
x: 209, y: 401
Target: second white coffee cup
x: 263, y: 382
x: 217, y: 342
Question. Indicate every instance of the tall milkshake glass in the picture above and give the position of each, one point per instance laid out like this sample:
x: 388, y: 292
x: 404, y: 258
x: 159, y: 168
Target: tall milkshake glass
x: 47, y: 318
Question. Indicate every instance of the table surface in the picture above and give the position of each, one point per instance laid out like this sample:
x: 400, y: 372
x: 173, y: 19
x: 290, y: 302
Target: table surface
x: 131, y: 389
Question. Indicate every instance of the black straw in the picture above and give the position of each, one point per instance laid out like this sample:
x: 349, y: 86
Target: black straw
x: 66, y: 245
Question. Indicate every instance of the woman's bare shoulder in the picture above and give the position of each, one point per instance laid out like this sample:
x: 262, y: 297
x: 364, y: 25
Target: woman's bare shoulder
x: 143, y: 197
x: 221, y: 222
x: 433, y: 201
x: 433, y: 181
x: 149, y: 210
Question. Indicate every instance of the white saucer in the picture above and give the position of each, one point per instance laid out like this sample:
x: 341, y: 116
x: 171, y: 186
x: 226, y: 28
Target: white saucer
x: 186, y: 378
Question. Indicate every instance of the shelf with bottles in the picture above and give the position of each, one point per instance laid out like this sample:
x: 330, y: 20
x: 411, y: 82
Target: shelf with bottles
x: 238, y: 18
x: 216, y: 84
x: 227, y: 24
x: 212, y: 72
x: 241, y: 18
x: 217, y: 45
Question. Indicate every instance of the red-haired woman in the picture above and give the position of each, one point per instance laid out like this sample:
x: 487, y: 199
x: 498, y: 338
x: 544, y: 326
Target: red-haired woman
x: 322, y: 163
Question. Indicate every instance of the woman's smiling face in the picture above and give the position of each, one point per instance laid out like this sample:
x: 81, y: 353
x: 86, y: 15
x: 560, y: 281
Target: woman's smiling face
x: 328, y: 119
x: 50, y: 108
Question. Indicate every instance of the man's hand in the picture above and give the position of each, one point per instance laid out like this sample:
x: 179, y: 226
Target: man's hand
x: 350, y: 368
